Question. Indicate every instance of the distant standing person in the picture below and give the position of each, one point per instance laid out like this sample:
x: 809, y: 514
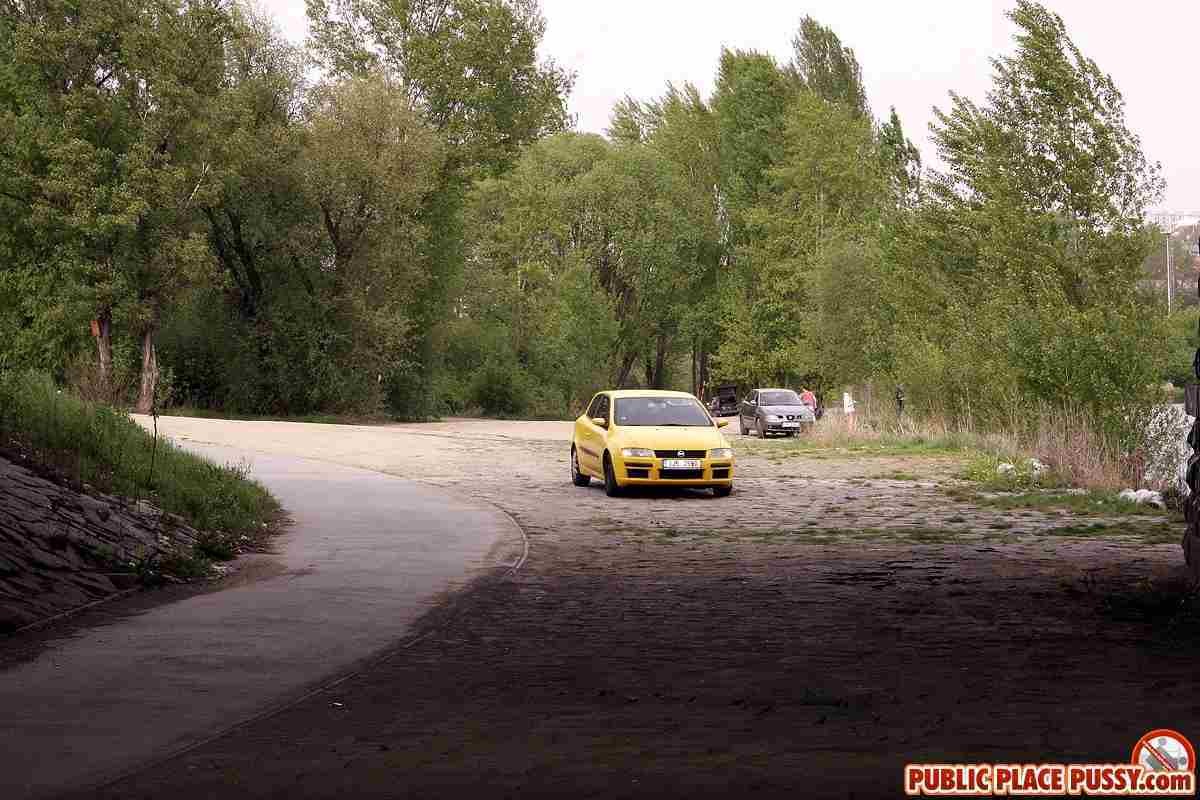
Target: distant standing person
x: 899, y: 400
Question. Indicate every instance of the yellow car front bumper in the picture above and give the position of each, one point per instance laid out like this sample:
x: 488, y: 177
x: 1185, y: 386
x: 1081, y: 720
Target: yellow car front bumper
x: 649, y: 472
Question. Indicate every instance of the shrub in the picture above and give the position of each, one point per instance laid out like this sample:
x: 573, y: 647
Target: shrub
x: 500, y: 389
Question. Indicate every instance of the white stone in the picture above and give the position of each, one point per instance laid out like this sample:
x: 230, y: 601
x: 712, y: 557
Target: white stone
x: 1143, y: 497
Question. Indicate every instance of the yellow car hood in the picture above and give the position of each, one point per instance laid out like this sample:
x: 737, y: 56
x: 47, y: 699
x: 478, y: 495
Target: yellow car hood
x: 667, y: 438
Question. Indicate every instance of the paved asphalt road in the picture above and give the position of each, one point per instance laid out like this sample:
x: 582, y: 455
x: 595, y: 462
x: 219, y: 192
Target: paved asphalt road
x: 366, y: 555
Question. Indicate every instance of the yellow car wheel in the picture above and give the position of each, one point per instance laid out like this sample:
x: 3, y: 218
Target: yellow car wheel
x: 611, y: 488
x: 577, y: 477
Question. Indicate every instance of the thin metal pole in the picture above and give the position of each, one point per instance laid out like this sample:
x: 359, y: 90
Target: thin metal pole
x: 1168, y: 273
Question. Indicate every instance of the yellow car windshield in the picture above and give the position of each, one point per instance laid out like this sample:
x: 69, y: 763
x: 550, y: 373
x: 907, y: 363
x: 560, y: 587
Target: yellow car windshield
x: 662, y: 411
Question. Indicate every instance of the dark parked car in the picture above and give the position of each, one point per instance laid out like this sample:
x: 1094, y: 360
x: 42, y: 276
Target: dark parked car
x: 724, y: 402
x: 767, y: 411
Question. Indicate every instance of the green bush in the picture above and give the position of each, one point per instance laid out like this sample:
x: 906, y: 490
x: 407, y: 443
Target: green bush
x: 500, y: 389
x: 295, y: 359
x: 1181, y: 346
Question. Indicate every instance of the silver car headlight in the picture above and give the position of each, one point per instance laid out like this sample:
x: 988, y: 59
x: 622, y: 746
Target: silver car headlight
x: 773, y: 418
x: 637, y: 452
x: 721, y: 452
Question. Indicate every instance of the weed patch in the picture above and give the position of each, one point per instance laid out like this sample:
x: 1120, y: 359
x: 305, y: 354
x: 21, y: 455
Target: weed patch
x: 97, y: 446
x: 1081, y: 503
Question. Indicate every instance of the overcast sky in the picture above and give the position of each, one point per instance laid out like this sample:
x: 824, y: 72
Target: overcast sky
x: 912, y: 54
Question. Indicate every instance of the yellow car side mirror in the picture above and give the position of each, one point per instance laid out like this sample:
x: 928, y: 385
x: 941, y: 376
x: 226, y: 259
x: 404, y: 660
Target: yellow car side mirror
x: 721, y: 423
x: 600, y: 422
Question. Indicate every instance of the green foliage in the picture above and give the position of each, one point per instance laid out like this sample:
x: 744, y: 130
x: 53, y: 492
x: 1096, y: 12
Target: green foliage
x: 750, y: 101
x: 1181, y: 346
x: 1002, y: 474
x: 499, y: 388
x: 104, y: 448
x: 297, y: 358
x: 472, y: 65
x: 901, y: 161
x: 1182, y: 272
x: 416, y: 233
x: 109, y: 150
x: 822, y: 201
x: 1017, y: 278
x: 582, y: 257
x: 827, y: 68
x: 855, y: 318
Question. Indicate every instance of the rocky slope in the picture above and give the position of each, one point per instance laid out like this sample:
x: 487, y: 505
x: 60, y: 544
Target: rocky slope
x: 61, y: 549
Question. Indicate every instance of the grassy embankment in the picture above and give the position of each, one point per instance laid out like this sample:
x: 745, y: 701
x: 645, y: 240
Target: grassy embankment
x: 97, y: 446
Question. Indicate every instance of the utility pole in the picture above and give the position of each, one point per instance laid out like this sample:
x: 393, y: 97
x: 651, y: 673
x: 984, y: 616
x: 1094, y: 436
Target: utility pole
x: 1168, y: 221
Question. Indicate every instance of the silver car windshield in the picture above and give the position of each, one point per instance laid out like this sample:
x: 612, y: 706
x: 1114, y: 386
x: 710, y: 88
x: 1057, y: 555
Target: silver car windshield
x: 788, y: 398
x: 681, y: 412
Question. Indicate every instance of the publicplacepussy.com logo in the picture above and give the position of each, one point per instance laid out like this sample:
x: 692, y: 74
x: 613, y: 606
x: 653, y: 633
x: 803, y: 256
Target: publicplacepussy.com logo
x: 1163, y: 764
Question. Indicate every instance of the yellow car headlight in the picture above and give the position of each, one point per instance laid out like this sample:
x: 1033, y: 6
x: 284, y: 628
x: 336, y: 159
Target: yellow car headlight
x: 721, y: 452
x: 637, y: 452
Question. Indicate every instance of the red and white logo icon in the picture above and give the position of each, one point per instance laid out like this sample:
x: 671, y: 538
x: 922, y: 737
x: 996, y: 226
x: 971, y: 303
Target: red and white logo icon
x: 1165, y: 750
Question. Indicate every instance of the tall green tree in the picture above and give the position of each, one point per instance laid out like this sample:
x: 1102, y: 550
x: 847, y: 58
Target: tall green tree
x: 1032, y: 241
x: 750, y: 100
x: 108, y: 104
x: 371, y: 164
x: 684, y: 129
x: 825, y: 192
x: 582, y: 222
x: 260, y: 212
x: 901, y: 161
x: 827, y: 68
x: 471, y: 68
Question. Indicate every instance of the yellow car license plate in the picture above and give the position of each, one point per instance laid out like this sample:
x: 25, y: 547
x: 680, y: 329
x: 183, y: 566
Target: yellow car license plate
x: 681, y: 463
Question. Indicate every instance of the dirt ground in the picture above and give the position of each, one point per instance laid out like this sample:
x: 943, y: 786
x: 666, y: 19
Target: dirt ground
x: 805, y: 637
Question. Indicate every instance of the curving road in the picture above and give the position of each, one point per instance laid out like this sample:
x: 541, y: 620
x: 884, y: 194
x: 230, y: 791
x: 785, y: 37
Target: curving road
x: 366, y: 556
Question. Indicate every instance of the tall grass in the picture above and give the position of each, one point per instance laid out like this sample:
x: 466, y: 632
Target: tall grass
x: 888, y: 432
x: 102, y: 447
x: 1075, y: 449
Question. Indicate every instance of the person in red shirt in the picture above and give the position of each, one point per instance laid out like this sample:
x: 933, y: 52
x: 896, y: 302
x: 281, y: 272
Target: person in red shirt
x: 808, y: 399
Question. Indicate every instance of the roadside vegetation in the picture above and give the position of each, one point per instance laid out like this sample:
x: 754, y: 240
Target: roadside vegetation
x: 415, y: 229
x: 95, y: 446
x: 1043, y: 458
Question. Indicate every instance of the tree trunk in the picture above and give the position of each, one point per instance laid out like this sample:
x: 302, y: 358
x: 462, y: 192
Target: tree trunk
x: 145, y: 403
x: 660, y: 364
x: 695, y: 385
x: 703, y: 371
x: 104, y: 351
x: 623, y: 374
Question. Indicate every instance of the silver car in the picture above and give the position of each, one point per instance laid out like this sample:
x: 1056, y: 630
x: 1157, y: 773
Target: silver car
x: 767, y: 411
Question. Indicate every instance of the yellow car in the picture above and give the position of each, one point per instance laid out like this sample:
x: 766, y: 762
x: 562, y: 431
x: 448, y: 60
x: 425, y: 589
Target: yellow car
x: 645, y: 437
